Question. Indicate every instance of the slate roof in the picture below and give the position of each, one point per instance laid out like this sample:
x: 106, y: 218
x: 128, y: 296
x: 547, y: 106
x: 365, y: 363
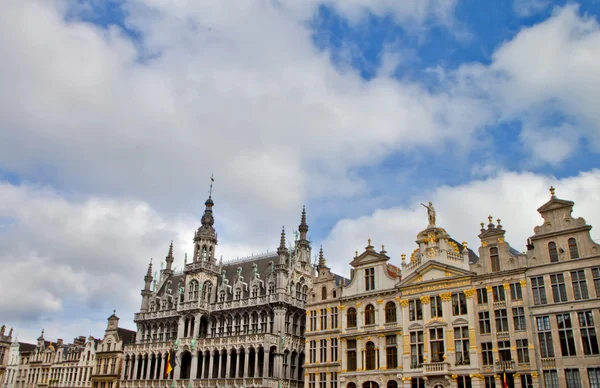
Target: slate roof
x: 127, y: 336
x: 262, y: 261
x: 25, y: 347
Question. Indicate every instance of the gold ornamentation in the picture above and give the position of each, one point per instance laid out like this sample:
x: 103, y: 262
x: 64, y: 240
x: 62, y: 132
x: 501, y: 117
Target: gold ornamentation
x: 469, y: 293
x: 454, y: 377
x: 379, y: 301
x: 506, y: 286
x: 523, y: 282
x: 404, y: 302
x: 431, y: 252
x: 343, y: 307
x: 412, y: 255
x: 454, y: 246
x: 420, y: 278
x: 517, y: 375
x: 397, y: 299
x: 425, y: 299
x: 489, y: 289
x: 446, y: 296
x: 403, y: 256
x: 500, y: 240
x: 534, y: 374
x: 444, y: 286
x: 447, y: 273
x: 308, y: 312
x: 357, y: 304
x: 484, y: 243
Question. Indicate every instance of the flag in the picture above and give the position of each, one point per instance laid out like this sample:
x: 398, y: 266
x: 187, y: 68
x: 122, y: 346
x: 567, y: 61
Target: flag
x: 504, y: 382
x: 170, y: 363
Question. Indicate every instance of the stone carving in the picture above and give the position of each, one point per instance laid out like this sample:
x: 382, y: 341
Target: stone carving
x: 430, y: 213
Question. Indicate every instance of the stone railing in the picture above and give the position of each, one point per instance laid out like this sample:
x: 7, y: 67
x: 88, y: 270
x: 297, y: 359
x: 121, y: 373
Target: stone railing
x: 455, y: 256
x: 435, y: 367
x: 155, y: 314
x: 209, y: 383
x: 501, y: 304
x: 505, y: 365
x: 415, y: 263
x: 203, y: 265
x: 390, y: 325
x: 503, y: 335
x: 549, y: 363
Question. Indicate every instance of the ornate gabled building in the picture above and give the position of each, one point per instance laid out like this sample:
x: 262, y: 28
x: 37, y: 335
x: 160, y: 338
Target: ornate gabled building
x: 236, y: 323
x: 5, y: 343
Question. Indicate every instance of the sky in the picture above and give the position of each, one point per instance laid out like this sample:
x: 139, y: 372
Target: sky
x: 115, y: 113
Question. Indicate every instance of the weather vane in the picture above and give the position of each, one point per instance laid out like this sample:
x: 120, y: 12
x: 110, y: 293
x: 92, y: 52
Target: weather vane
x: 212, y: 179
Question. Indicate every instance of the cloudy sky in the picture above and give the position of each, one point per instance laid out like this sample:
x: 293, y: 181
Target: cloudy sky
x: 114, y: 114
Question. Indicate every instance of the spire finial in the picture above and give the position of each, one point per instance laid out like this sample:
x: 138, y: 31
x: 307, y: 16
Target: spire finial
x: 552, y: 190
x: 303, y: 227
x: 114, y: 312
x: 490, y: 219
x: 212, y: 179
x: 282, y: 249
x: 149, y: 268
x: 170, y: 250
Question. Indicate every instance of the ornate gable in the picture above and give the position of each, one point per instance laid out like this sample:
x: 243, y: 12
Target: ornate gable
x: 369, y: 257
x: 433, y: 271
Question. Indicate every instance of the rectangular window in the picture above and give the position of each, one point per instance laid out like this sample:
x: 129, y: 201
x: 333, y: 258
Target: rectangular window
x: 369, y: 279
x: 485, y: 326
x: 415, y: 310
x: 459, y: 304
x: 436, y: 306
x: 522, y: 351
x: 559, y: 291
x: 538, y: 290
x: 334, y: 379
x: 351, y: 355
x: 526, y: 381
x: 573, y: 378
x: 519, y: 318
x: 322, y: 380
x: 545, y: 336
x: 565, y: 334
x: 490, y: 382
x: 580, y: 290
x: 482, y: 297
x: 313, y: 351
x: 551, y: 379
x: 461, y: 345
x: 323, y: 351
x: 311, y: 380
x: 501, y: 317
x: 436, y: 342
x: 498, y: 293
x: 391, y: 352
x: 596, y: 279
x: 334, y: 349
x: 416, y: 349
x: 588, y: 333
x: 504, y: 351
x: 313, y: 320
x: 594, y: 377
x: 417, y: 382
x: 323, y: 319
x: 515, y: 291
x: 463, y: 382
x: 334, y: 317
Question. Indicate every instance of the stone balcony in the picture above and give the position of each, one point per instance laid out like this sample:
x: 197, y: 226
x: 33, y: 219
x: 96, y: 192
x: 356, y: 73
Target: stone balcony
x: 206, y: 383
x: 505, y: 366
x: 434, y: 368
x: 549, y: 363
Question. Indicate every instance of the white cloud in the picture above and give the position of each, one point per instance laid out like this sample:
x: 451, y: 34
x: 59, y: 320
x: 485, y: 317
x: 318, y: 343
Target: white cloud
x: 512, y: 197
x: 526, y: 8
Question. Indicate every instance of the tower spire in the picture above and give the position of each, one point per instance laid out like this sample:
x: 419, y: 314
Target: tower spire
x: 322, y: 261
x: 170, y: 258
x: 303, y: 227
x: 282, y: 248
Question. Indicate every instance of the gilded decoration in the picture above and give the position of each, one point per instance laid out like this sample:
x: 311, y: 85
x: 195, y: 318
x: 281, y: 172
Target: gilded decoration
x: 431, y: 252
x: 419, y: 290
x: 343, y: 307
x: 425, y: 299
x: 500, y: 240
x: 523, y: 282
x: 489, y: 289
x: 534, y: 374
x: 484, y: 243
x: 404, y: 302
x: 420, y: 278
x: 357, y: 304
x: 469, y: 293
x: 412, y: 255
x: 397, y: 299
x: 454, y: 246
x: 506, y: 286
x: 379, y: 301
x: 446, y: 296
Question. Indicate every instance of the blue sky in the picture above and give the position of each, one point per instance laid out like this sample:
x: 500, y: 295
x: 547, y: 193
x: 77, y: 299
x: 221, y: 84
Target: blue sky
x: 114, y: 115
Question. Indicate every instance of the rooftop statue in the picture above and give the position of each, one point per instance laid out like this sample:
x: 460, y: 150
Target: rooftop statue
x: 430, y: 213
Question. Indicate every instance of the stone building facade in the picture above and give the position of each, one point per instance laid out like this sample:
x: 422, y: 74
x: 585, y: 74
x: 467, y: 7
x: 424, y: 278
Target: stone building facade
x: 239, y: 323
x: 459, y: 319
x: 5, y: 342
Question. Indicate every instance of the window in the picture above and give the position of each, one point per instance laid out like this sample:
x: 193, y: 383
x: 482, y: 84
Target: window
x: 313, y: 351
x: 515, y: 291
x: 461, y: 344
x: 391, y: 352
x: 494, y: 259
x: 519, y: 318
x: 573, y: 379
x: 545, y: 336
x: 596, y: 277
x: 436, y: 306
x: 370, y: 356
x: 334, y: 349
x: 501, y: 320
x: 311, y: 380
x: 522, y: 351
x: 498, y: 293
x: 504, y: 351
x: 463, y: 382
x: 390, y: 312
x: 313, y: 320
x: 415, y: 310
x: 193, y: 290
x: 553, y: 252
x: 334, y: 317
x: 322, y: 380
x: 580, y: 290
x: 573, y: 250
x: 324, y: 293
x: 238, y: 294
x: 565, y: 334
x: 417, y: 382
x: 369, y: 279
x: 392, y: 384
x: 254, y: 291
x: 551, y: 379
x: 490, y: 382
x: 594, y: 377
x: 369, y: 315
x: 351, y: 385
x: 416, y: 349
x: 351, y: 316
x: 333, y: 382
x: 459, y: 304
x: 323, y: 319
x: 271, y: 288
x: 351, y: 355
x: 559, y: 291
x: 485, y: 326
x: 482, y: 297
x: 588, y: 333
x: 526, y: 380
x: 538, y: 290
x: 436, y: 341
x: 323, y: 350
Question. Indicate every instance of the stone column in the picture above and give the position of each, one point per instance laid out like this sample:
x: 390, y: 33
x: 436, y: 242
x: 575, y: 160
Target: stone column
x: 227, y: 363
x: 197, y: 325
x: 180, y: 328
x: 201, y: 369
x: 246, y: 359
x: 125, y: 366
x: 211, y: 364
x: 194, y: 366
x: 177, y: 370
x: 149, y: 367
x: 256, y: 364
x: 161, y: 368
x: 237, y: 364
x: 135, y: 368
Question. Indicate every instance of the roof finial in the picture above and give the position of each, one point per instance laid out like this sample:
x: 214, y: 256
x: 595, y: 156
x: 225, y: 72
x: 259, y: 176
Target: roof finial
x: 282, y: 249
x: 303, y: 227
x: 552, y: 190
x: 322, y: 261
x: 170, y: 250
x: 149, y: 268
x: 212, y: 179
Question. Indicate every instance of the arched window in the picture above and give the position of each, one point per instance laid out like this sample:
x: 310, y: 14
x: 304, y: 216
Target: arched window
x: 370, y: 384
x: 390, y: 312
x: 351, y: 316
x: 324, y: 293
x: 392, y: 384
x: 298, y: 291
x: 573, y: 250
x: 495, y: 259
x: 204, y: 253
x: 369, y: 315
x: 254, y: 291
x: 370, y: 356
x: 334, y: 294
x: 271, y: 288
x: 193, y: 290
x: 553, y: 252
x: 304, y: 292
x: 238, y: 294
x: 206, y: 291
x: 351, y: 385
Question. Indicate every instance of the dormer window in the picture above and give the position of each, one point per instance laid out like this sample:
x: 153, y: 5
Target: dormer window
x: 271, y: 288
x: 573, y: 250
x: 324, y: 293
x: 254, y: 291
x: 222, y: 296
x: 238, y: 294
x: 369, y: 279
x: 553, y: 252
x: 494, y: 259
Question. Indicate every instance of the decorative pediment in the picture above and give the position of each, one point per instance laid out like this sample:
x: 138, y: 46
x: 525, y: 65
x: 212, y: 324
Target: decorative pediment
x: 436, y: 322
x: 369, y: 256
x: 460, y: 322
x: 433, y: 271
x: 555, y: 204
x: 415, y: 326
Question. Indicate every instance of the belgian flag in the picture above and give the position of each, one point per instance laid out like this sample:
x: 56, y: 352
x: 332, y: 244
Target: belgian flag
x: 170, y: 363
x: 504, y: 381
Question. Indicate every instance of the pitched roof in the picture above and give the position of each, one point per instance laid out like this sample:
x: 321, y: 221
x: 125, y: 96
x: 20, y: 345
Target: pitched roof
x: 126, y: 335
